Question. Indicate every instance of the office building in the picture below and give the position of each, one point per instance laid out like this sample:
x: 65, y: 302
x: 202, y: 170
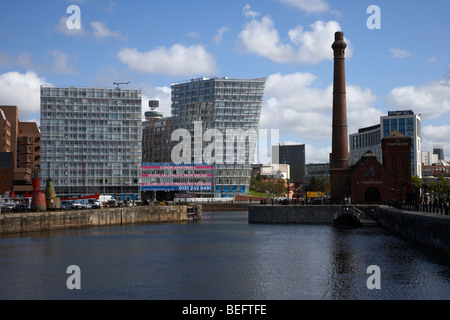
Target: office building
x: 294, y: 156
x: 219, y: 117
x: 369, y: 139
x: 91, y: 141
x: 22, y: 140
x: 408, y: 124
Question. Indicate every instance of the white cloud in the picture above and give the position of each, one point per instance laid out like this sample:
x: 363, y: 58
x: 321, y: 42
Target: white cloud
x: 101, y: 31
x: 431, y: 100
x: 193, y: 35
x: 294, y: 104
x: 21, y: 90
x: 22, y: 60
x: 61, y: 62
x: 61, y: 27
x: 436, y: 135
x: 399, y: 53
x: 110, y: 7
x: 177, y: 60
x: 248, y: 12
x: 316, y: 155
x: 260, y: 37
x: 219, y: 35
x: 309, y: 6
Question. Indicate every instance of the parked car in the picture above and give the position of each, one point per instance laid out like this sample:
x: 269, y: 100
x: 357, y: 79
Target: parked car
x: 90, y: 204
x: 7, y: 207
x: 21, y: 208
x: 70, y: 204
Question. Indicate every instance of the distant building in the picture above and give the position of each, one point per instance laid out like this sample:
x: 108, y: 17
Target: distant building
x: 369, y: 138
x: 6, y: 172
x: 408, y: 124
x: 439, y: 151
x: 22, y: 139
x: 434, y: 164
x: 156, y: 136
x: 294, y: 156
x: 5, y: 133
x: 390, y: 181
x: 91, y: 140
x: 272, y: 170
x: 317, y: 170
x: 220, y: 105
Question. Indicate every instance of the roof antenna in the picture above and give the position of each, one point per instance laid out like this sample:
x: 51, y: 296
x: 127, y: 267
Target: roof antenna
x: 119, y: 83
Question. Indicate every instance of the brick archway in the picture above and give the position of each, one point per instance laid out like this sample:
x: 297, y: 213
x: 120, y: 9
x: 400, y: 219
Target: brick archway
x: 372, y: 195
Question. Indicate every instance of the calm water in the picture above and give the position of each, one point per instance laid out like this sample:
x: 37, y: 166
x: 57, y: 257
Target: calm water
x: 222, y: 257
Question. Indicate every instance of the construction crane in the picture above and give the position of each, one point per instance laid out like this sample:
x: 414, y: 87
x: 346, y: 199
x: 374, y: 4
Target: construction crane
x: 119, y: 83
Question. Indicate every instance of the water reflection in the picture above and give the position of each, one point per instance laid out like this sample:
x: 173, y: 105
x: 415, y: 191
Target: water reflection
x: 221, y: 257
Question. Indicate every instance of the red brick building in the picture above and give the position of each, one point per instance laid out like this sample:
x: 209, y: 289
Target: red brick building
x: 6, y: 172
x: 22, y: 140
x: 373, y: 182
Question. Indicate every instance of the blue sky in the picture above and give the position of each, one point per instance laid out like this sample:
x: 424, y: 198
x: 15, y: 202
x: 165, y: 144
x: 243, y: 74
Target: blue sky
x: 403, y: 65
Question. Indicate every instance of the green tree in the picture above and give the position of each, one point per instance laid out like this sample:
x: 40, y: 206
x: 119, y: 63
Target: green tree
x: 321, y: 184
x: 416, y: 181
x: 440, y: 186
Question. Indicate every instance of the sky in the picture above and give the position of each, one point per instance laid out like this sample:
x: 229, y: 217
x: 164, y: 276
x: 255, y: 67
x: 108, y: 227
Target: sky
x: 398, y: 57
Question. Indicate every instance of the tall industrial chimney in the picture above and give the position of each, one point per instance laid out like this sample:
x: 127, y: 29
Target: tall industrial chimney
x: 339, y: 158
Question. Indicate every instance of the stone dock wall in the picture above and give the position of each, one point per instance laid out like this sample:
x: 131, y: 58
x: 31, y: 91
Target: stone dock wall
x: 53, y: 220
x: 292, y: 214
x: 426, y: 228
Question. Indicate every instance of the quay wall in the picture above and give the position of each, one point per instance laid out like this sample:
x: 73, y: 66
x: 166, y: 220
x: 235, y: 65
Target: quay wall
x: 292, y: 214
x: 233, y: 206
x: 426, y: 228
x: 53, y: 220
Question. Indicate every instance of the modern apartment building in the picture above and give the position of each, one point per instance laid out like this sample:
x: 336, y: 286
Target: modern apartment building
x: 369, y: 139
x: 214, y: 111
x: 91, y: 140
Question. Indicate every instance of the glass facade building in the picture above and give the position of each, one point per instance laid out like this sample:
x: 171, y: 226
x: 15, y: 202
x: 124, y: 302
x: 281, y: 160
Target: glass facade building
x: 369, y: 139
x: 221, y: 117
x: 408, y: 124
x: 226, y: 105
x: 91, y: 141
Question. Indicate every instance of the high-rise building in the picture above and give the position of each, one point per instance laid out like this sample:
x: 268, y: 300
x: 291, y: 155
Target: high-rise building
x: 369, y: 139
x: 408, y: 124
x: 91, y: 140
x: 294, y: 156
x: 210, y: 110
x: 439, y: 150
